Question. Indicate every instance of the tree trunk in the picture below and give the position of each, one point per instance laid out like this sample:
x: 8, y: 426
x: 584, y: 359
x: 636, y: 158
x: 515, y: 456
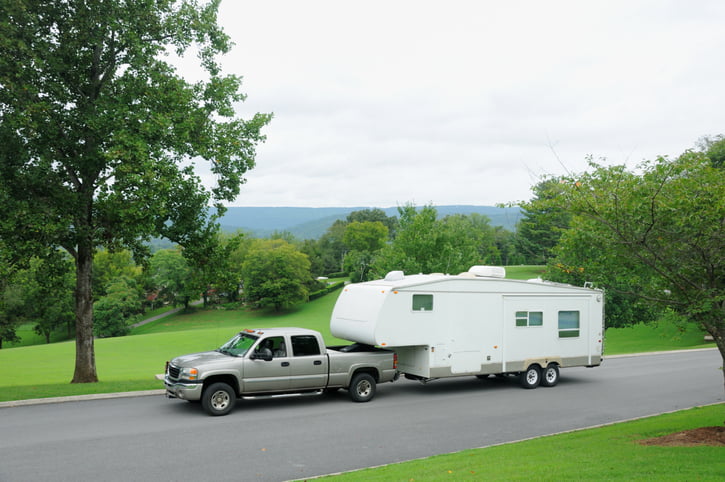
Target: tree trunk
x: 85, y: 370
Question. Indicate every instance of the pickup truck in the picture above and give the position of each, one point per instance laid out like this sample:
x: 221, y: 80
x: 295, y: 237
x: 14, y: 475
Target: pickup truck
x: 269, y: 362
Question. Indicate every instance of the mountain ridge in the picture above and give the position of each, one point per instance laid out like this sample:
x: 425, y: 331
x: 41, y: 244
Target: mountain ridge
x: 312, y: 222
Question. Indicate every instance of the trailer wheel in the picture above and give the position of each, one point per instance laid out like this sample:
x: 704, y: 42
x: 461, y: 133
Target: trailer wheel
x: 362, y: 387
x: 550, y: 376
x: 531, y: 377
x: 218, y: 399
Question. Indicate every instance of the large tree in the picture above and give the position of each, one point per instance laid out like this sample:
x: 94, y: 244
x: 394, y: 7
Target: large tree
x: 544, y: 220
x: 425, y: 244
x: 662, y: 229
x: 276, y: 274
x: 99, y: 132
x: 363, y: 239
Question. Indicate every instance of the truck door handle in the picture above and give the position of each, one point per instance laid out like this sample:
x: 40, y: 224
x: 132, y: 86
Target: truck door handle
x: 285, y: 363
x: 317, y: 362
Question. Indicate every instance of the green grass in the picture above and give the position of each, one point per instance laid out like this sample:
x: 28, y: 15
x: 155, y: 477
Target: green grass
x: 605, y: 453
x: 662, y: 336
x: 28, y: 337
x: 131, y: 362
x: 524, y: 272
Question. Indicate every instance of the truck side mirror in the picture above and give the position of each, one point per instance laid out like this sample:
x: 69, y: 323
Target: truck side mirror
x: 262, y: 354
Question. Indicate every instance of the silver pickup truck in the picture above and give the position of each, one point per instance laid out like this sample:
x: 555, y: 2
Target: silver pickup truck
x: 276, y: 361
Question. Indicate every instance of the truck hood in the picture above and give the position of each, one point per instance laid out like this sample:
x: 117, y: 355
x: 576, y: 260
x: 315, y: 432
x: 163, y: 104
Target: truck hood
x: 203, y: 358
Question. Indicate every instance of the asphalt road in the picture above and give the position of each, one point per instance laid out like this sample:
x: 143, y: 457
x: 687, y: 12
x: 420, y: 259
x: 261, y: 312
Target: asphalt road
x: 154, y: 439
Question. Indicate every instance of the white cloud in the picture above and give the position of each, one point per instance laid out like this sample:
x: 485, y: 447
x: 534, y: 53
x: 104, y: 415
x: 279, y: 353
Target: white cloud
x: 466, y: 102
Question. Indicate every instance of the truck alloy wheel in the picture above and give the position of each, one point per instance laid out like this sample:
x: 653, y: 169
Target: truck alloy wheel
x: 362, y: 388
x: 218, y: 399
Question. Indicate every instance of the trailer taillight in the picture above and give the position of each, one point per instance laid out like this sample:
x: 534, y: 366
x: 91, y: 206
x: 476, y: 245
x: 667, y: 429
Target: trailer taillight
x: 395, y: 361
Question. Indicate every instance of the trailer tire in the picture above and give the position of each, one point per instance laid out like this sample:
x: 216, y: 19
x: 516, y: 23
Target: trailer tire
x: 531, y: 377
x: 550, y: 377
x: 362, y: 388
x: 218, y: 399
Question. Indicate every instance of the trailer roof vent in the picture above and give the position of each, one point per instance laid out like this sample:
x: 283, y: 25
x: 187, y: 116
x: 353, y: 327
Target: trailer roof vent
x: 488, y: 271
x: 394, y: 276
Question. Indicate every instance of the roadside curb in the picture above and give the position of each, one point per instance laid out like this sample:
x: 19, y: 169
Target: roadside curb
x: 647, y: 353
x: 145, y: 393
x: 77, y: 398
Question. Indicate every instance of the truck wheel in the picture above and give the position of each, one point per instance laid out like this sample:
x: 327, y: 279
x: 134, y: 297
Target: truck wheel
x: 550, y: 376
x: 531, y: 377
x: 362, y: 388
x: 218, y: 399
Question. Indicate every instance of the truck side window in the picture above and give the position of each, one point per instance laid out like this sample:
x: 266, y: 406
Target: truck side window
x: 275, y: 344
x: 422, y: 302
x: 305, y: 345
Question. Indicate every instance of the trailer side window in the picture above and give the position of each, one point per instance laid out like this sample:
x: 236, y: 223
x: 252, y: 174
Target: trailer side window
x: 568, y: 324
x: 422, y: 302
x: 529, y: 318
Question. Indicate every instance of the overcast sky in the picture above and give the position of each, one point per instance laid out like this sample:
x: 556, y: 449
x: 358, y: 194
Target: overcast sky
x: 379, y: 103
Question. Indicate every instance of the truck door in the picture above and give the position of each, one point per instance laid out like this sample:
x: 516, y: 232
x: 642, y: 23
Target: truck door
x: 267, y: 376
x: 309, y: 366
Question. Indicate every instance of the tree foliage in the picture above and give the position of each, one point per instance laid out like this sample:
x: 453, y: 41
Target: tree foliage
x: 661, y: 229
x: 276, y: 274
x: 172, y: 275
x: 99, y: 132
x: 117, y: 309
x: 363, y: 240
x: 425, y: 244
x: 544, y: 220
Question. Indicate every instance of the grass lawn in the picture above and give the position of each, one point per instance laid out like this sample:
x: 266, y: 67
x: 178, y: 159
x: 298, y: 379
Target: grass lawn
x: 605, y: 453
x: 660, y: 336
x: 524, y: 272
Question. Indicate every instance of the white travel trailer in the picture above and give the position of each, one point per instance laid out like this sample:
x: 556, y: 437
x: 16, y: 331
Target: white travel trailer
x: 475, y: 323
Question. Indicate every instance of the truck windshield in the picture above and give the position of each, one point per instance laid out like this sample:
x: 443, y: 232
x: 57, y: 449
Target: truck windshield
x: 239, y: 345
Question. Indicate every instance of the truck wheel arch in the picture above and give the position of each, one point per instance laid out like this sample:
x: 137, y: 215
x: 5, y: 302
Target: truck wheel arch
x: 228, y: 379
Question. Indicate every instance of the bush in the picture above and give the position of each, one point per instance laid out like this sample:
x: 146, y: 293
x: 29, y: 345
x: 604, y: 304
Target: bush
x: 328, y: 289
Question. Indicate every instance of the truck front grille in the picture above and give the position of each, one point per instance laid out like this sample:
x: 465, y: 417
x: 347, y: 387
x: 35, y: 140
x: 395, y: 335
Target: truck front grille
x: 174, y: 372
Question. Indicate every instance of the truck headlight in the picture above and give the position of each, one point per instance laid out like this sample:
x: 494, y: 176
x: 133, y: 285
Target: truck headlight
x: 191, y: 374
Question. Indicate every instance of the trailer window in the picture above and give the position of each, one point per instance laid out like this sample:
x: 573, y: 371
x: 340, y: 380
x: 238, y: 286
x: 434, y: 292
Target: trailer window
x: 568, y: 324
x: 422, y: 302
x: 305, y: 345
x: 529, y: 318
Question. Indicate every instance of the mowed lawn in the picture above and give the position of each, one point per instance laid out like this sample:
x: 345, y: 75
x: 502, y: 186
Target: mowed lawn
x: 612, y: 452
x: 131, y: 362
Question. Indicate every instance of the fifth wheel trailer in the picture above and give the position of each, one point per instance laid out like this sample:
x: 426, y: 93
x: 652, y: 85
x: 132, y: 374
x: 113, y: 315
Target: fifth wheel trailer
x: 475, y: 323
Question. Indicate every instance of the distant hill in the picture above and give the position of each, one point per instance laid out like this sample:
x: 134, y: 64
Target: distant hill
x: 311, y: 223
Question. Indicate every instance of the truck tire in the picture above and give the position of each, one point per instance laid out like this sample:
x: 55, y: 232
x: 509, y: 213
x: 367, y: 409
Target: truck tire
x: 362, y: 388
x: 550, y: 377
x: 531, y: 377
x: 218, y: 399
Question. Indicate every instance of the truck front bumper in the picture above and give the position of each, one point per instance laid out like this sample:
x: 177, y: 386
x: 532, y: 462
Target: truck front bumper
x: 183, y: 391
